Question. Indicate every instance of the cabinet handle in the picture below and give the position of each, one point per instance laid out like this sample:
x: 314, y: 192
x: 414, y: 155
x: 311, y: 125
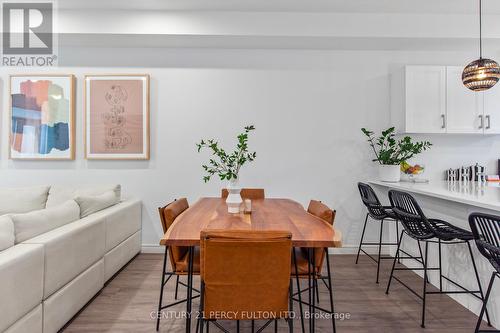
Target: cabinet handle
x: 481, y: 123
x: 443, y: 119
x: 488, y: 121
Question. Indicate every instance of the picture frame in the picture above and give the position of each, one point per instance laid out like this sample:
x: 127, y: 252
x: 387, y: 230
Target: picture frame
x: 42, y: 117
x: 116, y: 117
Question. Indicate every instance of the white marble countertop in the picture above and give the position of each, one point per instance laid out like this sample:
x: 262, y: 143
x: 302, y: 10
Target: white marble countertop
x: 485, y: 196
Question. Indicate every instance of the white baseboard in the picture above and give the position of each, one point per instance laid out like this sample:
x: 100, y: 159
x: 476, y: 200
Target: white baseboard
x: 151, y: 248
x: 350, y: 249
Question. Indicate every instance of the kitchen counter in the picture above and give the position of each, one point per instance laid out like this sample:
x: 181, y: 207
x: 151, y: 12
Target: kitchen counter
x: 485, y: 196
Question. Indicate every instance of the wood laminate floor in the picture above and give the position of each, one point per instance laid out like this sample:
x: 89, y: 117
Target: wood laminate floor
x: 126, y: 304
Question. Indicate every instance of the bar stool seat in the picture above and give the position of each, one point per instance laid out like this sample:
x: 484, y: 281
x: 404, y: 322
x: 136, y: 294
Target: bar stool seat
x: 389, y: 213
x: 448, y: 232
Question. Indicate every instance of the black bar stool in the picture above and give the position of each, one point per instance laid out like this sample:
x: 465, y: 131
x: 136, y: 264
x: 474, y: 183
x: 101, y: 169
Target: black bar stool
x: 419, y: 227
x: 377, y: 212
x: 486, y: 231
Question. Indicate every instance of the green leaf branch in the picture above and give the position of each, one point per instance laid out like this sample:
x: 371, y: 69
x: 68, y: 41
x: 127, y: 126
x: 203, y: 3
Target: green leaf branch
x: 227, y: 165
x: 389, y: 151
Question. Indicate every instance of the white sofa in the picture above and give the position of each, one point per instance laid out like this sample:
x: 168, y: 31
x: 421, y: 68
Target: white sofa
x: 53, y: 260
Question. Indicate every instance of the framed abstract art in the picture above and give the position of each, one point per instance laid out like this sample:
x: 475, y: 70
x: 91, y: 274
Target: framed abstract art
x: 42, y: 119
x: 117, y: 116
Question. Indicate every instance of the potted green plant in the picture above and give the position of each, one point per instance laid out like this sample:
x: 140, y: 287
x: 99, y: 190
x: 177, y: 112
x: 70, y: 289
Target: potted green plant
x: 390, y: 152
x: 227, y: 165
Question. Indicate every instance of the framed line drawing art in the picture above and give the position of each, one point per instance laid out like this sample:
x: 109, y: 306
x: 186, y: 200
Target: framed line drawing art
x: 117, y: 116
x: 42, y: 117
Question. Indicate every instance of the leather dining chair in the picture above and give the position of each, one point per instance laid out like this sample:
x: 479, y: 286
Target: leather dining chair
x: 247, y: 193
x: 178, y: 256
x: 301, y: 268
x: 245, y: 275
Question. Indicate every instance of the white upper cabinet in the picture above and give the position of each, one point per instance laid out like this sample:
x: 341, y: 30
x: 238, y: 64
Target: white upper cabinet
x: 492, y: 110
x: 432, y: 99
x: 425, y: 99
x: 464, y: 108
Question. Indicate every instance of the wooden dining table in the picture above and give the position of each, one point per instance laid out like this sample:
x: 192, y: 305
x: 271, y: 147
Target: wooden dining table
x: 307, y: 230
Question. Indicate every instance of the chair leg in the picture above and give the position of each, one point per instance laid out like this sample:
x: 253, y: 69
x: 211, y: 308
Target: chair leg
x: 290, y: 305
x: 422, y: 256
x: 478, y: 280
x: 440, y: 267
x: 362, y: 236
x: 275, y: 326
x: 202, y: 305
x: 397, y: 236
x: 485, y: 302
x: 425, y: 282
x: 299, y: 291
x: 380, y: 248
x: 394, y: 262
x: 330, y: 289
x: 253, y: 326
x: 237, y: 326
x: 158, y: 315
x: 190, y: 289
x: 317, y: 290
x: 176, y: 287
x: 310, y: 291
x: 314, y: 280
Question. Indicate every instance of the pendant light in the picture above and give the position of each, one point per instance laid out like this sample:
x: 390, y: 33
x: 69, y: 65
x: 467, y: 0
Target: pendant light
x: 481, y: 74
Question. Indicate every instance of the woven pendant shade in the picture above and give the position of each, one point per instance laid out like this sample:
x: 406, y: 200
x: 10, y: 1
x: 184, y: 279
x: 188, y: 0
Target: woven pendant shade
x: 481, y: 74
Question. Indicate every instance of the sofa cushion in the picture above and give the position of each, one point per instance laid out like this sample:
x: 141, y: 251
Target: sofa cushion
x: 23, y: 199
x: 69, y: 250
x: 7, y: 236
x: 67, y: 301
x: 59, y: 193
x: 21, y: 282
x: 92, y: 204
x: 115, y: 259
x: 34, y: 223
x: 122, y: 221
x: 31, y: 322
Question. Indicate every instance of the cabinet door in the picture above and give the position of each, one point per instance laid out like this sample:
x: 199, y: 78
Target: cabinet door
x: 492, y: 110
x: 464, y: 108
x: 425, y: 99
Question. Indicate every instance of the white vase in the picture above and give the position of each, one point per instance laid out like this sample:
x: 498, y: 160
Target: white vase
x: 234, y: 200
x: 389, y: 173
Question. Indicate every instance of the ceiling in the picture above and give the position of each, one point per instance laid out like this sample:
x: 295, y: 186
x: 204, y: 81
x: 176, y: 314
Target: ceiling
x: 341, y: 6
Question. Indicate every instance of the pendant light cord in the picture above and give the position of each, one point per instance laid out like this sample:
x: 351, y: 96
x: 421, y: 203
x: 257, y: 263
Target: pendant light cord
x: 480, y: 30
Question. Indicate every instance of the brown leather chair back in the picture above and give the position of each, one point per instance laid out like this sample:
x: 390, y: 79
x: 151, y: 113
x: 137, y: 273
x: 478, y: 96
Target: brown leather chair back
x: 247, y: 193
x: 245, y: 273
x: 168, y: 214
x: 319, y: 209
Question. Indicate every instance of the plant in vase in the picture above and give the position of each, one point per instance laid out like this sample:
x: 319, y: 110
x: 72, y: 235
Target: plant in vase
x: 390, y: 153
x: 227, y: 165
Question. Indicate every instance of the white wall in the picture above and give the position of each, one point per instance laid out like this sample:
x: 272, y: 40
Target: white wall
x: 307, y: 106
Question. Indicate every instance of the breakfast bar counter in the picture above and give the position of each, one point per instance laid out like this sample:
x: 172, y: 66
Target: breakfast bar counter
x: 453, y: 202
x: 486, y: 195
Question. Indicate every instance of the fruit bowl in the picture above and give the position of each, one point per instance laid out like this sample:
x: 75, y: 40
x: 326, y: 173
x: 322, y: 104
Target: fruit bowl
x: 410, y: 170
